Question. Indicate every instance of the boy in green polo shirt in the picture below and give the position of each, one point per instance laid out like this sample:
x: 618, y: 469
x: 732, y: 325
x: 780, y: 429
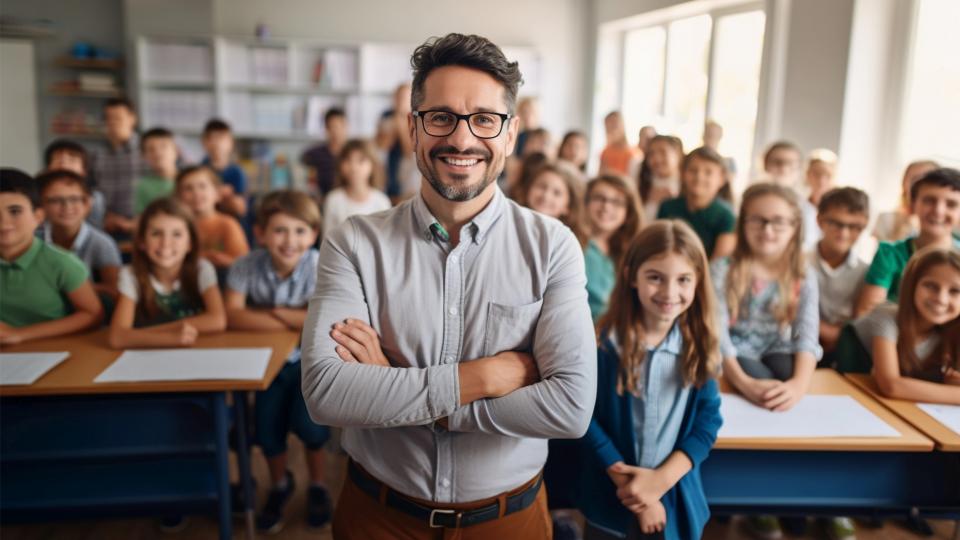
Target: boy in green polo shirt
x: 160, y: 154
x: 935, y: 199
x: 44, y: 291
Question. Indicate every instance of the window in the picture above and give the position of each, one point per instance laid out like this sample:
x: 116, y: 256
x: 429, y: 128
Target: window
x: 932, y: 107
x: 678, y: 72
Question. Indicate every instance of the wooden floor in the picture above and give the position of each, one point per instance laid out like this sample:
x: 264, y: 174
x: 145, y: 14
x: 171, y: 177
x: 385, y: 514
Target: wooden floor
x: 205, y: 528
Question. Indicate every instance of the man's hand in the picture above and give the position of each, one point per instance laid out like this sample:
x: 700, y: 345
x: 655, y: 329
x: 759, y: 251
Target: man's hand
x: 653, y: 519
x: 509, y: 371
x: 357, y: 341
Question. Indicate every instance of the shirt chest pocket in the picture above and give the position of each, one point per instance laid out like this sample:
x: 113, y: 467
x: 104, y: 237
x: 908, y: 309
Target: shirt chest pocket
x: 510, y: 328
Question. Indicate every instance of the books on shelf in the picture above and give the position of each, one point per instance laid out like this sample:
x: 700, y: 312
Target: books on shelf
x: 180, y: 109
x: 175, y: 62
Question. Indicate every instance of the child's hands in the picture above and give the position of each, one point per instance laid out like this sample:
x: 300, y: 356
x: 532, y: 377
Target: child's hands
x: 9, y: 335
x: 755, y: 389
x: 187, y: 334
x: 951, y: 376
x: 653, y: 519
x: 358, y: 342
x: 642, y: 489
x: 783, y: 396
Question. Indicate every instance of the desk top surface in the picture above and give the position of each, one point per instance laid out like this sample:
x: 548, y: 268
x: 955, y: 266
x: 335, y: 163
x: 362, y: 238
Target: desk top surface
x: 90, y: 355
x: 945, y: 438
x: 829, y: 382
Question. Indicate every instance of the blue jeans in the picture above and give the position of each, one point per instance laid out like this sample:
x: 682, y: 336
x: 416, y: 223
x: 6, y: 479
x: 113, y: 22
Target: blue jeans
x: 280, y: 409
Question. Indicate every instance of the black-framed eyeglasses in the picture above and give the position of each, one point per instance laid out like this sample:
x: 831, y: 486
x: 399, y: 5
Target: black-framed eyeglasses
x: 483, y: 125
x: 855, y: 228
x: 778, y: 224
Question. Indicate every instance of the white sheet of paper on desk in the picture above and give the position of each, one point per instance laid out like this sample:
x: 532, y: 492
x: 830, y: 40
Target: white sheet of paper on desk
x: 26, y: 368
x: 187, y: 365
x: 815, y: 416
x: 948, y: 415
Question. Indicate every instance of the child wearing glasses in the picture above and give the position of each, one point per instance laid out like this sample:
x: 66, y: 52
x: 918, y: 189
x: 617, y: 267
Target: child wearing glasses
x: 768, y: 310
x: 67, y: 201
x: 842, y: 215
x: 613, y: 219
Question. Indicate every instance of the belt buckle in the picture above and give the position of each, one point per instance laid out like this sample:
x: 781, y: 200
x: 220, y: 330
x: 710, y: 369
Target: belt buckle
x: 436, y: 511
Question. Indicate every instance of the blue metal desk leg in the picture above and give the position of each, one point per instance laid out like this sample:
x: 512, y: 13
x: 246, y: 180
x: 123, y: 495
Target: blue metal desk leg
x: 243, y: 458
x: 221, y: 423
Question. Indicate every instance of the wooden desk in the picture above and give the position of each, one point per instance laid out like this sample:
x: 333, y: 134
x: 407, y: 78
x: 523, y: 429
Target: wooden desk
x: 945, y: 438
x: 829, y: 382
x: 75, y: 448
x: 834, y: 476
x: 90, y: 355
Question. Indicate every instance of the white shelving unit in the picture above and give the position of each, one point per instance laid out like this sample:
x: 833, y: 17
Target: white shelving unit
x: 277, y: 89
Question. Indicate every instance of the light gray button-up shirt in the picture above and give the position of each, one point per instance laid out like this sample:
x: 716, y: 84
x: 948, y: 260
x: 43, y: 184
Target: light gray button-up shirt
x: 515, y: 282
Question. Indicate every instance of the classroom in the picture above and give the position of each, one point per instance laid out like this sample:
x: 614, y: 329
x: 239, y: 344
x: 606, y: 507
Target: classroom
x: 688, y: 269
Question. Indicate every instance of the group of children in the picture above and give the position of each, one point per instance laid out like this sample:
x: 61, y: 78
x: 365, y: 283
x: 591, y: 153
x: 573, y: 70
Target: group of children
x: 682, y: 289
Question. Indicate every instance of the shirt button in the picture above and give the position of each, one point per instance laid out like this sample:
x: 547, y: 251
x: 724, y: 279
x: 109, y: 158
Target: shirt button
x: 450, y: 359
x: 453, y: 259
x: 445, y: 482
x: 453, y: 311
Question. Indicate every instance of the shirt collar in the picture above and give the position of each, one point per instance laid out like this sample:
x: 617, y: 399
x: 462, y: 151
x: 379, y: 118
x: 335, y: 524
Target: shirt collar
x: 25, y: 260
x: 299, y: 270
x: 480, y: 224
x: 849, y: 262
x: 670, y: 344
x: 78, y: 242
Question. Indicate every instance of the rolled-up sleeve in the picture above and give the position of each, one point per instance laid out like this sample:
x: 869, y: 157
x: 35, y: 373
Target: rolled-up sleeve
x: 564, y: 347
x: 350, y: 394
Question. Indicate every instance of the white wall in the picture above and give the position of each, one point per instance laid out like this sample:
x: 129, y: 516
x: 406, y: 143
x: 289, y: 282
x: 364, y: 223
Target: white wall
x: 18, y: 106
x: 556, y: 28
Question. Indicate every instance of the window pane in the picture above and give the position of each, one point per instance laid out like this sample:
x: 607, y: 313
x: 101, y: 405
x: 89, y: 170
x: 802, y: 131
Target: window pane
x: 932, y: 111
x: 738, y: 49
x: 688, y: 45
x: 642, y: 78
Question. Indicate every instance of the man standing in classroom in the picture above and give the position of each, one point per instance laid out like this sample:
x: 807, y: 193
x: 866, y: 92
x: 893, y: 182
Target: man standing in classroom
x: 450, y: 336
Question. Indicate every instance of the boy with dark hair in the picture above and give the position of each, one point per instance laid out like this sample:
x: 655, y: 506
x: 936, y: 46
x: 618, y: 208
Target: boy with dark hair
x: 160, y: 154
x: 321, y: 160
x: 44, y: 291
x: 118, y: 167
x: 782, y: 162
x: 71, y: 156
x: 218, y: 143
x: 935, y: 200
x: 268, y: 289
x: 66, y: 201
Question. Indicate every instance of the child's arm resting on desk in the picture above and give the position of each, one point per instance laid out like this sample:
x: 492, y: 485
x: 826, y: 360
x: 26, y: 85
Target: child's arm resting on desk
x: 172, y: 334
x: 240, y: 317
x: 87, y: 313
x: 893, y: 384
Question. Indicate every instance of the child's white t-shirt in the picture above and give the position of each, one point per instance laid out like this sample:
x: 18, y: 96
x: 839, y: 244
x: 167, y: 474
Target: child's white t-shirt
x: 128, y: 286
x: 337, y: 207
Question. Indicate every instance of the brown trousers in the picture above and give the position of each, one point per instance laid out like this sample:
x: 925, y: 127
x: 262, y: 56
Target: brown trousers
x: 360, y: 517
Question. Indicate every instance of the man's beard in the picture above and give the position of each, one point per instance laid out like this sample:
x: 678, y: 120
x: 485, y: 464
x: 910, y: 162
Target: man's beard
x: 452, y: 192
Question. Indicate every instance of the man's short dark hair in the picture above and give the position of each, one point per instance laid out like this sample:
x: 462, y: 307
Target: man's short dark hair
x: 119, y: 102
x: 66, y: 145
x: 47, y: 179
x: 17, y: 181
x: 850, y: 199
x: 943, y: 177
x: 333, y: 112
x: 470, y: 51
x: 216, y: 125
x: 155, y: 133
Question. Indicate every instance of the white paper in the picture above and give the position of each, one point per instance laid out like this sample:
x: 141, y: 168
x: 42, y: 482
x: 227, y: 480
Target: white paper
x: 948, y: 415
x: 815, y: 416
x: 26, y: 368
x: 187, y: 365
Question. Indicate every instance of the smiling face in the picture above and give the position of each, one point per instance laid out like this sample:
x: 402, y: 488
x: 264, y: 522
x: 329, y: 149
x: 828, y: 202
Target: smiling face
x: 461, y: 166
x: 666, y: 286
x: 820, y: 177
x: 160, y: 153
x: 18, y: 221
x: 938, y: 208
x: 702, y: 179
x: 356, y: 169
x: 606, y: 209
x: 166, y: 242
x: 198, y: 191
x: 663, y: 159
x: 286, y: 239
x: 119, y: 122
x: 574, y: 150
x: 549, y: 195
x: 937, y: 296
x: 769, y: 226
x: 841, y: 228
x: 65, y: 204
x: 783, y: 166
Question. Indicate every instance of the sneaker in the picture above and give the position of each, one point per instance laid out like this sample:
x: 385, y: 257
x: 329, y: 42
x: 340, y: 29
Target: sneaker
x: 763, y: 527
x: 236, y: 497
x: 318, y: 507
x: 566, y: 528
x: 173, y: 524
x: 840, y: 528
x: 270, y: 520
x: 918, y: 525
